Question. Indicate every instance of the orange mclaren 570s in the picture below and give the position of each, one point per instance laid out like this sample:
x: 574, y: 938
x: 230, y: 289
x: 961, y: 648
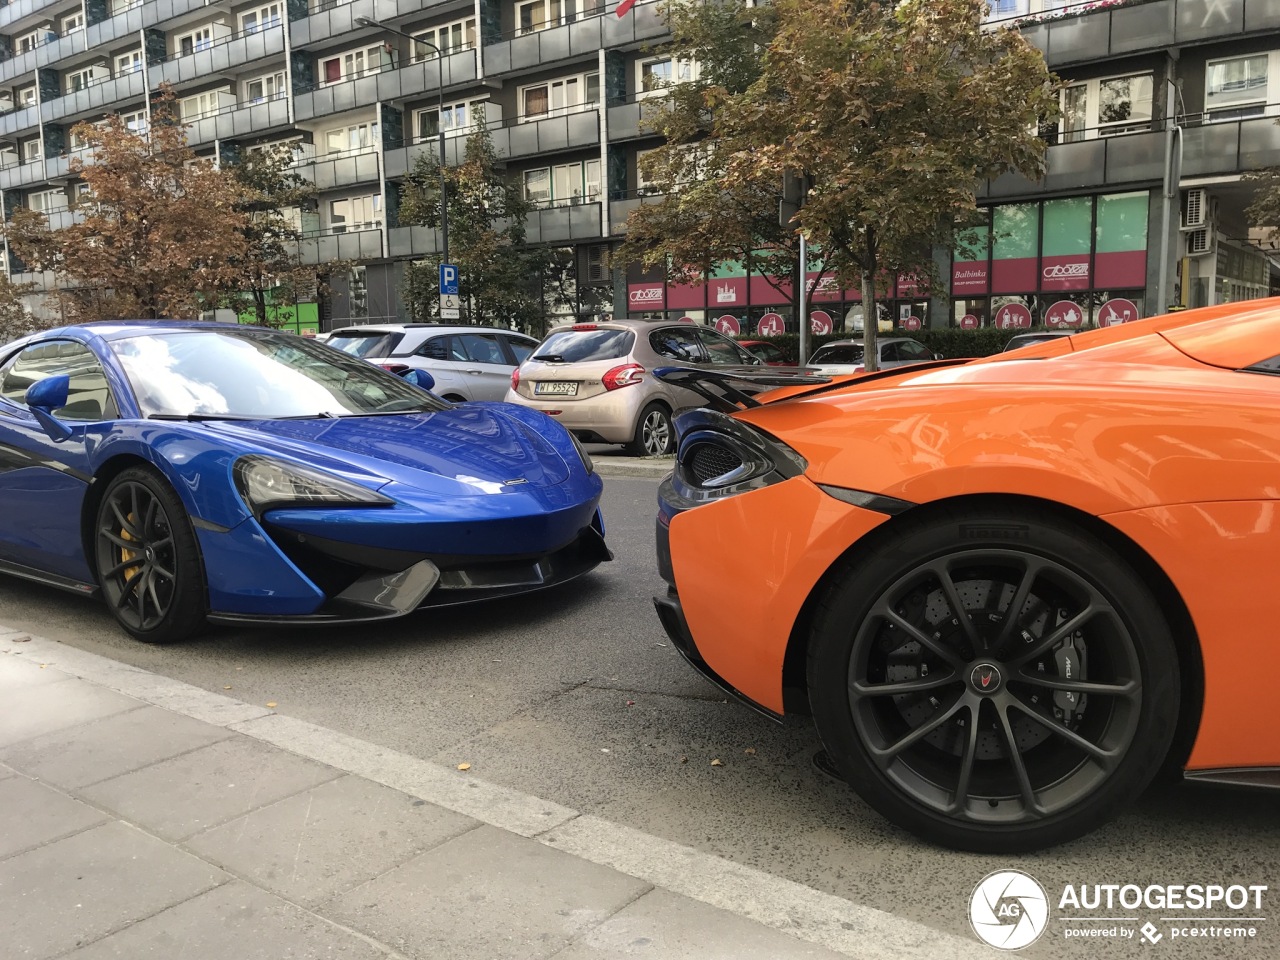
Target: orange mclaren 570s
x: 1011, y: 590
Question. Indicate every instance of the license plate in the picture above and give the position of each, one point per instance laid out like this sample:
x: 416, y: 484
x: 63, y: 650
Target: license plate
x: 555, y: 388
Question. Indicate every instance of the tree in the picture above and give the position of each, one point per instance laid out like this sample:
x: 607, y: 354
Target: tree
x: 499, y: 272
x: 15, y: 319
x: 889, y: 114
x: 270, y: 268
x: 702, y: 218
x: 163, y: 234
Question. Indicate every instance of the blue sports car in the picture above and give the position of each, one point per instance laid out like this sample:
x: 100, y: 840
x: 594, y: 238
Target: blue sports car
x: 200, y: 471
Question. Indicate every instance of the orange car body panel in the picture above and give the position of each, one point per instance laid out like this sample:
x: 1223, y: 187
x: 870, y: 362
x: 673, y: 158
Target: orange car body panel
x: 792, y: 532
x: 1151, y: 427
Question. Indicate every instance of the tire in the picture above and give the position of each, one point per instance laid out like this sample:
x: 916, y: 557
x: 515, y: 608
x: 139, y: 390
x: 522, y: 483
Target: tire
x: 1083, y: 683
x: 655, y: 434
x: 455, y: 398
x: 160, y: 596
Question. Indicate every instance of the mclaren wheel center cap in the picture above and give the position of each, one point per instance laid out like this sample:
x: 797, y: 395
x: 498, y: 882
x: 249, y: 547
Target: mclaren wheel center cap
x: 985, y: 678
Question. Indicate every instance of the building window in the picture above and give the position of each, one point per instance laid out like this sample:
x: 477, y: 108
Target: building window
x: 130, y: 62
x: 450, y: 38
x: 80, y: 79
x: 120, y: 6
x: 31, y: 150
x: 357, y: 138
x: 535, y: 15
x: 262, y: 89
x: 557, y: 97
x: 1106, y: 107
x: 263, y: 18
x: 29, y: 41
x: 355, y: 213
x: 47, y: 201
x: 658, y: 73
x: 199, y: 39
x: 27, y: 96
x: 72, y: 23
x: 135, y: 123
x: 567, y: 183
x: 1236, y: 88
x: 203, y: 104
x: 458, y: 117
x: 357, y: 63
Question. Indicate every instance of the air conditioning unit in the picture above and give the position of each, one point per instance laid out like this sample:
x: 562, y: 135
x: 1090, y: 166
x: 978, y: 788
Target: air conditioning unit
x: 1195, y: 208
x: 1199, y: 242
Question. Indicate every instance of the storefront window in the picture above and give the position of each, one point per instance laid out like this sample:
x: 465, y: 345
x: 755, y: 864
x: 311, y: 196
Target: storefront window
x: 1015, y: 232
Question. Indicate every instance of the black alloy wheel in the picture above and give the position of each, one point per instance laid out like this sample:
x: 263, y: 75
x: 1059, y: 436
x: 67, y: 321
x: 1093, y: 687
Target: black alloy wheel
x: 147, y: 558
x: 655, y: 433
x: 996, y: 681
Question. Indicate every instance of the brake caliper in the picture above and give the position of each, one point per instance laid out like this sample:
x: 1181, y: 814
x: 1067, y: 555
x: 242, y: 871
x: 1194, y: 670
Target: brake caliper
x: 1069, y: 658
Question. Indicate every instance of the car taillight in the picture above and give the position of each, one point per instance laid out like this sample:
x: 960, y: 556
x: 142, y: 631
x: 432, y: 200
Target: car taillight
x: 585, y: 326
x: 515, y: 378
x: 623, y: 376
x: 399, y: 369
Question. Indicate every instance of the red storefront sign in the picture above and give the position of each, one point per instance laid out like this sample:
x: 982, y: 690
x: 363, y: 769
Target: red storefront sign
x: 1063, y: 315
x: 1017, y: 275
x: 1116, y: 271
x: 726, y: 292
x: 646, y: 296
x: 820, y: 322
x: 969, y: 322
x: 1117, y: 311
x: 686, y: 296
x: 728, y: 324
x: 1065, y: 273
x: 910, y: 323
x: 771, y: 325
x: 1013, y: 316
x: 969, y: 279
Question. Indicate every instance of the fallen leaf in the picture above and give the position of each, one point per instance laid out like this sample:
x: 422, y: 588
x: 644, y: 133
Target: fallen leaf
x: 239, y: 668
x: 604, y: 749
x: 21, y: 639
x: 717, y: 763
x: 750, y: 751
x: 464, y: 766
x: 43, y: 665
x: 271, y: 704
x: 684, y: 759
x: 631, y: 703
x: 227, y: 687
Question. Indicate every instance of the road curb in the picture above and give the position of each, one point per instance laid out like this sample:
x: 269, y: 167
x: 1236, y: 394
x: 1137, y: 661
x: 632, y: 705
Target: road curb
x: 656, y: 468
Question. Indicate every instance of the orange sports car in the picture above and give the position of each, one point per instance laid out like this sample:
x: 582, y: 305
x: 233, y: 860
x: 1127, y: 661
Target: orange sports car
x: 1008, y: 590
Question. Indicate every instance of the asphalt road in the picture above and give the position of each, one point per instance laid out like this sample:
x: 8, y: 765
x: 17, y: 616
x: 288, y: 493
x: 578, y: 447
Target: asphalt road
x: 576, y: 695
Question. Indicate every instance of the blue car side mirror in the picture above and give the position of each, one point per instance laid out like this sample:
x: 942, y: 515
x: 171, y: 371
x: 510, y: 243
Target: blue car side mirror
x: 45, y: 396
x: 420, y: 378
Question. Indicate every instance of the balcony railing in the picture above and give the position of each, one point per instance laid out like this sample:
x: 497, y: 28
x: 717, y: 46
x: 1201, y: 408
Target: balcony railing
x: 386, y: 85
x: 528, y: 51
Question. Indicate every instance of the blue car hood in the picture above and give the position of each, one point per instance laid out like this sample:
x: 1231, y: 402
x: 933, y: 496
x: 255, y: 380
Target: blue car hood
x: 465, y: 444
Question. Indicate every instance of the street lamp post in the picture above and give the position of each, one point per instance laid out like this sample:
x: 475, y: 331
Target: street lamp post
x: 444, y: 199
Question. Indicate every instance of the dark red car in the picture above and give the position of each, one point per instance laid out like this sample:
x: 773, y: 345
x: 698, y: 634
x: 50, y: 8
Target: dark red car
x: 767, y: 352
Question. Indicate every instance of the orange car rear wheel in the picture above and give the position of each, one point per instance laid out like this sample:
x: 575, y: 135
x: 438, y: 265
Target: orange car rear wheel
x: 996, y: 680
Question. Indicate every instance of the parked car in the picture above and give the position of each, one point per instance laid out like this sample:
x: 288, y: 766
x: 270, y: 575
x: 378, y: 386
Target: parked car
x: 846, y: 356
x: 595, y: 378
x: 766, y: 351
x: 1040, y: 336
x: 1008, y: 592
x: 467, y: 362
x: 186, y: 472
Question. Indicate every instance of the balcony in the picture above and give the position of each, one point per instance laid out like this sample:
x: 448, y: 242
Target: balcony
x: 345, y: 170
x: 226, y: 56
x: 630, y: 120
x: 240, y: 120
x: 413, y: 241
x: 341, y: 19
x: 56, y: 49
x: 98, y: 98
x: 15, y: 121
x: 538, y: 48
x: 580, y: 221
x: 620, y: 209
x: 400, y: 159
x: 1128, y: 160
x: 46, y: 282
x: 18, y: 175
x: 386, y: 86
x: 17, y: 10
x: 568, y: 131
x: 363, y: 244
x: 127, y: 24
x: 1096, y: 30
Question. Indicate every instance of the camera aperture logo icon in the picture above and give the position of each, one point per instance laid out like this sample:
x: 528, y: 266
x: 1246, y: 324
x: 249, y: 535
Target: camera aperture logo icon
x: 1009, y: 910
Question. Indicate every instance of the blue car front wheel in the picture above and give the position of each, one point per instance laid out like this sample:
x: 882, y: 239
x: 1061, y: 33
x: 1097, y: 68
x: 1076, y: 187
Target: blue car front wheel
x: 147, y: 559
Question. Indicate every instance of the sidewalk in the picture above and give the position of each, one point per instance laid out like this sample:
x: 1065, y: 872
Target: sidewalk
x: 147, y: 818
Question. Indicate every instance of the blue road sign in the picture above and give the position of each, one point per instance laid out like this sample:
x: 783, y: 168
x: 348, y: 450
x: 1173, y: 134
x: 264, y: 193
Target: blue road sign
x: 449, y: 279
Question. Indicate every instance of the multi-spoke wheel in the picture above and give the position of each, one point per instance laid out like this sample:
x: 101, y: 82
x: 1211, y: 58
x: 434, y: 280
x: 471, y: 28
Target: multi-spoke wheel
x: 994, y: 680
x: 655, y: 434
x: 147, y: 559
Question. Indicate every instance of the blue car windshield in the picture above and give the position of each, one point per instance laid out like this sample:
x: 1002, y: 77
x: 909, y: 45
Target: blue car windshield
x: 256, y: 374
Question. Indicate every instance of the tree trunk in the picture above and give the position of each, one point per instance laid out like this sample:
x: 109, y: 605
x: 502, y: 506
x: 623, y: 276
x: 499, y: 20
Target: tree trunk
x: 870, y: 315
x: 260, y: 305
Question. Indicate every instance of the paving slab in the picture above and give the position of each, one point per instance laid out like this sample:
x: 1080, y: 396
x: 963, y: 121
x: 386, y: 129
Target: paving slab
x: 316, y: 844
x: 32, y: 711
x: 487, y: 895
x: 64, y: 894
x: 664, y: 926
x: 35, y: 814
x: 105, y: 748
x: 19, y: 674
x: 236, y: 921
x: 182, y: 796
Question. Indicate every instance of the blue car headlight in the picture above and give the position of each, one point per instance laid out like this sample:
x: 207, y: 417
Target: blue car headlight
x: 267, y: 484
x: 582, y: 453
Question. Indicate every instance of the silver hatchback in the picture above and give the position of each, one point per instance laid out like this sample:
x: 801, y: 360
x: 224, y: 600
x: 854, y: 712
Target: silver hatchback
x: 596, y: 378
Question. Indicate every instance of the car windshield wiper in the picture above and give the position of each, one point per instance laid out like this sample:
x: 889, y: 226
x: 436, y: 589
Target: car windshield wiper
x: 549, y: 357
x: 202, y: 417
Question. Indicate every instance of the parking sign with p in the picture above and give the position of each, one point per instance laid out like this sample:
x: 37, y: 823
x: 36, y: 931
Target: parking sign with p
x: 449, y: 279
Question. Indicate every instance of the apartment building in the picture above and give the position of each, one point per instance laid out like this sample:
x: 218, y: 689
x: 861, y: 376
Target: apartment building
x: 564, y: 86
